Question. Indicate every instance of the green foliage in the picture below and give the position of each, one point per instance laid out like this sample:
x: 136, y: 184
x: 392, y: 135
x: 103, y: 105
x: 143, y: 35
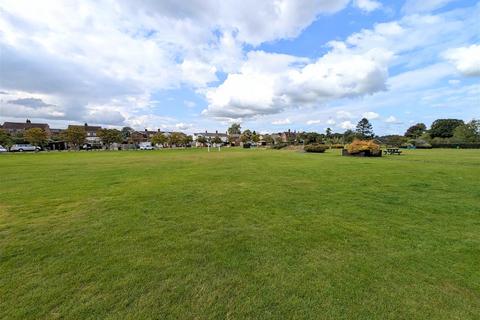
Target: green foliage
x: 315, y: 148
x: 202, y: 140
x: 127, y: 132
x: 394, y: 140
x: 444, y: 128
x: 364, y: 129
x: 349, y: 136
x: 5, y: 139
x: 216, y: 140
x: 159, y: 139
x: 313, y: 138
x: 75, y: 136
x: 36, y: 136
x: 235, y: 128
x: 246, y: 136
x: 176, y: 139
x: 469, y: 132
x: 110, y: 136
x: 416, y: 130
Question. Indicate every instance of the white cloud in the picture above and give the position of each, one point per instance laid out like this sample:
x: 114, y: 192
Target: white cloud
x: 94, y: 53
x: 281, y: 122
x: 342, y: 114
x: 270, y: 83
x: 189, y: 104
x: 465, y: 59
x: 415, y: 6
x: 310, y: 122
x: 370, y: 115
x: 367, y: 5
x: 347, y: 125
x: 331, y: 121
x: 391, y: 119
x: 183, y: 126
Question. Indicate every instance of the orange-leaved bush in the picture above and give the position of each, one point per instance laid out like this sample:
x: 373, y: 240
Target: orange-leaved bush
x: 358, y: 146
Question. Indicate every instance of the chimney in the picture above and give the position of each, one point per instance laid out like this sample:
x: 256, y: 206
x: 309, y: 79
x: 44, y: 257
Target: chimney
x: 28, y: 121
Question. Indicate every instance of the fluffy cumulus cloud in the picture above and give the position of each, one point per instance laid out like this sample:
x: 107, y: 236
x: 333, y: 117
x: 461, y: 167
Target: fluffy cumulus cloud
x: 269, y: 83
x: 370, y: 115
x: 107, y: 61
x: 91, y: 55
x: 465, y: 59
x: 347, y: 125
x: 367, y: 5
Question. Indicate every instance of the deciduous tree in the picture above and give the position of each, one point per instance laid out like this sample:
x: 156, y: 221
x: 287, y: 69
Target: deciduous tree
x: 416, y: 130
x: 235, y: 128
x: 110, y: 136
x: 75, y: 136
x: 5, y: 139
x: 159, y: 139
x: 444, y: 128
x: 36, y: 136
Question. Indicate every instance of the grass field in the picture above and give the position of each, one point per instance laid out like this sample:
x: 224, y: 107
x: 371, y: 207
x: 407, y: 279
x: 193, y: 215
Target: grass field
x: 264, y: 234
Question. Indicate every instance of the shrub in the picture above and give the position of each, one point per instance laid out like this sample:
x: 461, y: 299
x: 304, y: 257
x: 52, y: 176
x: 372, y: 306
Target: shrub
x: 358, y: 146
x: 316, y: 148
x: 279, y: 146
x: 336, y: 146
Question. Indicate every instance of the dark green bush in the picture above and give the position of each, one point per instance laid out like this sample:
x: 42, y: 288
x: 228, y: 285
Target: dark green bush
x: 317, y: 148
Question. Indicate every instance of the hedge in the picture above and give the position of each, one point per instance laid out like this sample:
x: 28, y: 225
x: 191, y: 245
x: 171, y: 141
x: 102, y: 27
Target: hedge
x: 317, y: 148
x: 456, y: 145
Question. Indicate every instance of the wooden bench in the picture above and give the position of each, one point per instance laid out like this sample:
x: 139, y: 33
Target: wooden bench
x: 392, y: 151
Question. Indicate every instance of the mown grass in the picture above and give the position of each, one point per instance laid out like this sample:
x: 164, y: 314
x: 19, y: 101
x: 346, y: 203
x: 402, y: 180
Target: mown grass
x: 264, y: 234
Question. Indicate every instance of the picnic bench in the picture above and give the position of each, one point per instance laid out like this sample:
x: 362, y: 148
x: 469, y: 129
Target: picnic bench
x: 392, y: 151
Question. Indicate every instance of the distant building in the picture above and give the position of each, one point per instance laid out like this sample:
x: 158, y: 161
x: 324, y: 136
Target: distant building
x: 92, y: 133
x: 209, y: 136
x: 15, y: 128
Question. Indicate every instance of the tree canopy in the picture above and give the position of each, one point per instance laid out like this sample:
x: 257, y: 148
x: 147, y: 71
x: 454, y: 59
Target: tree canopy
x: 416, y: 130
x: 235, y: 128
x: 444, y: 128
x: 110, y: 136
x: 159, y: 139
x: 75, y: 136
x: 5, y: 139
x: 36, y: 136
x: 468, y: 132
x: 364, y: 129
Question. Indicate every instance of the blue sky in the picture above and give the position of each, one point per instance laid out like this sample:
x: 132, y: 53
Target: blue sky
x: 271, y: 65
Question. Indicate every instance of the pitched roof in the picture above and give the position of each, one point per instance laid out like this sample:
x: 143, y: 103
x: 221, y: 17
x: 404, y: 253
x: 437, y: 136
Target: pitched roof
x: 24, y: 125
x: 210, y: 134
x: 86, y: 127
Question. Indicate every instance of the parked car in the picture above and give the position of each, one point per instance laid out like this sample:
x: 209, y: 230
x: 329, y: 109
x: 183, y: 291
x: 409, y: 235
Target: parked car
x: 146, y: 146
x: 2, y: 149
x: 24, y: 147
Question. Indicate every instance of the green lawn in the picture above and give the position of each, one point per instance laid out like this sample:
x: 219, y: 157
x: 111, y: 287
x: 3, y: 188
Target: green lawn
x: 236, y: 234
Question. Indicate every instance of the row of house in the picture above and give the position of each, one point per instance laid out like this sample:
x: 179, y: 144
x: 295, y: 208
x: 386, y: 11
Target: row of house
x: 18, y: 128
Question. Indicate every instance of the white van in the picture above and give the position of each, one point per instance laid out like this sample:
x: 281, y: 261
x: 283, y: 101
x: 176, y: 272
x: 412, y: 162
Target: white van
x: 146, y: 146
